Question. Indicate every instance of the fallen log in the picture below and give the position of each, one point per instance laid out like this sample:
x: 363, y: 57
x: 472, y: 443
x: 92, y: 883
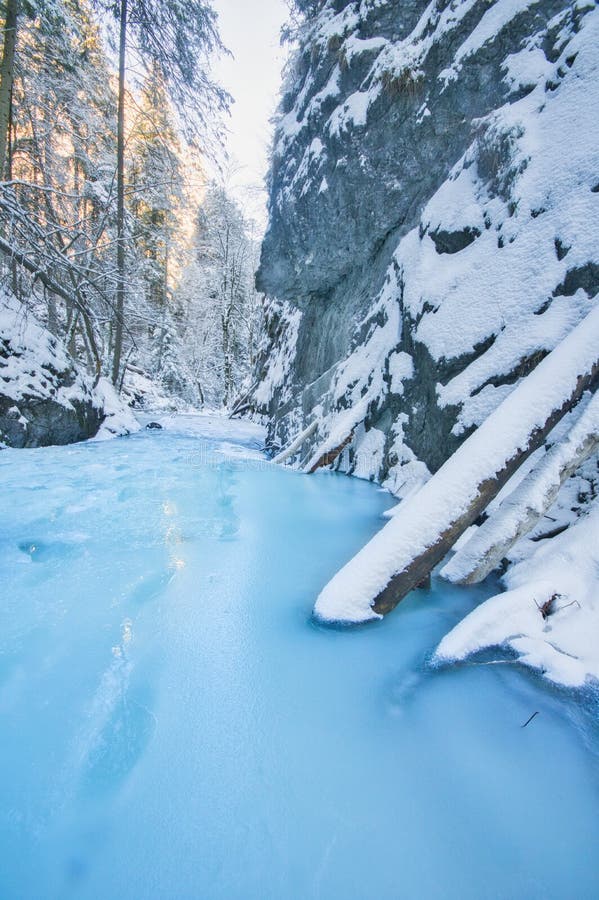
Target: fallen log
x: 240, y: 409
x: 429, y: 523
x: 329, y: 456
x: 342, y: 432
x: 550, y: 534
x: 521, y: 511
x: 295, y: 445
x: 242, y: 403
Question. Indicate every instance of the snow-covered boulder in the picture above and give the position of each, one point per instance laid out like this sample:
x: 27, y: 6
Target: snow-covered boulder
x: 45, y: 397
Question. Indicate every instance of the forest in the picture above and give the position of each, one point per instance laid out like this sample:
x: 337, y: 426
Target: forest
x: 113, y: 234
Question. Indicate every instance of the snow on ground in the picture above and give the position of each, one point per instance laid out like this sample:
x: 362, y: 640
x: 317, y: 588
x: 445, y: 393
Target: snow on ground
x: 33, y: 359
x: 119, y: 417
x: 564, y: 644
x: 218, y: 436
x: 36, y: 370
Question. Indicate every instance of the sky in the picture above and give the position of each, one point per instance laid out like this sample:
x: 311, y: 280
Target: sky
x: 251, y: 31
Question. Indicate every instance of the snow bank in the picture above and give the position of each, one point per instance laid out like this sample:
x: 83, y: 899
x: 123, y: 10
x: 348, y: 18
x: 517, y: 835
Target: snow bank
x: 454, y: 247
x: 564, y: 646
x: 30, y: 353
x: 118, y: 418
x: 45, y: 397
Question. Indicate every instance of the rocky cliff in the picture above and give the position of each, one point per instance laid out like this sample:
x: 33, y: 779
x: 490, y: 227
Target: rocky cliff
x: 434, y: 222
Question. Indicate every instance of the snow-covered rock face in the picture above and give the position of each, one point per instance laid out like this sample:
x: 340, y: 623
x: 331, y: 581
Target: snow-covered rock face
x: 44, y: 397
x: 434, y: 214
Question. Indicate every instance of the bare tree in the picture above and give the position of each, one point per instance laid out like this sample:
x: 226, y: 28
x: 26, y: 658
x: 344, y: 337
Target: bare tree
x: 7, y: 70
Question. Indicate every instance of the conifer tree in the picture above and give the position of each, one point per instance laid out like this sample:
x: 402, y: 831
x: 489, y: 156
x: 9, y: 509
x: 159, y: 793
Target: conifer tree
x: 176, y: 37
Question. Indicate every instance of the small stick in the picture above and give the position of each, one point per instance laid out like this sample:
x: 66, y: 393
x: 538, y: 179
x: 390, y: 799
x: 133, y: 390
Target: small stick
x: 559, y: 609
x: 547, y: 608
x: 530, y: 720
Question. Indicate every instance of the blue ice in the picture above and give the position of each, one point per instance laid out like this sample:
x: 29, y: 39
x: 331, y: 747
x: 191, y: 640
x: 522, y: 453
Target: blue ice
x: 173, y: 725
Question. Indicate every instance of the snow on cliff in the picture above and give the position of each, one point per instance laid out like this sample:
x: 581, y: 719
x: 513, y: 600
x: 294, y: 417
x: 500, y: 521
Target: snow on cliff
x: 454, y: 244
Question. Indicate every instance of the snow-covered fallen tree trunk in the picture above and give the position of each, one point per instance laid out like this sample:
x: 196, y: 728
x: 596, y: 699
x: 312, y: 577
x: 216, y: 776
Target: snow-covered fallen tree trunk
x: 339, y: 436
x: 295, y: 445
x: 524, y: 507
x: 329, y: 456
x: 402, y: 554
x: 243, y: 402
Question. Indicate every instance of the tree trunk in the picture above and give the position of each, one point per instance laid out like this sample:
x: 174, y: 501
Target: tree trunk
x: 429, y: 523
x: 7, y: 70
x: 521, y: 511
x: 296, y: 444
x: 120, y: 214
x: 329, y: 457
x: 227, y: 362
x: 14, y: 276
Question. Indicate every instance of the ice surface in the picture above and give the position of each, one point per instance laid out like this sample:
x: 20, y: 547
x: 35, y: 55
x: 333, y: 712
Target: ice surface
x: 174, y: 725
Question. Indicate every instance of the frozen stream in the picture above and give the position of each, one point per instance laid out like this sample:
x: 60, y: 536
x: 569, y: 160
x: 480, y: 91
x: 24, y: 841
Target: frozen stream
x: 173, y: 725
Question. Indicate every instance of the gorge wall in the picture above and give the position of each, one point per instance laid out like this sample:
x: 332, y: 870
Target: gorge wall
x: 434, y: 221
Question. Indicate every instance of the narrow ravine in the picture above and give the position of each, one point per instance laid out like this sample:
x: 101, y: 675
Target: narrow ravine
x: 174, y: 724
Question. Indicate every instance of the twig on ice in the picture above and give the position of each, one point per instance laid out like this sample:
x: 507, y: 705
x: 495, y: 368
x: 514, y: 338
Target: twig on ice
x: 528, y: 721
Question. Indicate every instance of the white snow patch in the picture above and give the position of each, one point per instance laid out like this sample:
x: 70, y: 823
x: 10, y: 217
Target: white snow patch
x: 495, y: 18
x: 401, y: 368
x: 564, y: 647
x: 120, y: 419
x: 369, y: 449
x: 353, y: 111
